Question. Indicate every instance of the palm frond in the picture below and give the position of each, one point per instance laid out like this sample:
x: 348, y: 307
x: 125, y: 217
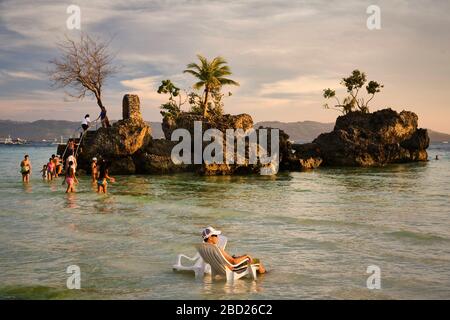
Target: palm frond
x: 198, y: 85
x: 225, y: 81
x: 194, y: 73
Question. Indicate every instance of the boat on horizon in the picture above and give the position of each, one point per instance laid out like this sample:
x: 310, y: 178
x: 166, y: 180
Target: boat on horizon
x: 55, y: 142
x: 9, y: 141
x: 445, y: 142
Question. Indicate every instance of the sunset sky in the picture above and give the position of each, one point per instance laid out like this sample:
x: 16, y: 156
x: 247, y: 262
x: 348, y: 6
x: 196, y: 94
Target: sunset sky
x: 283, y: 53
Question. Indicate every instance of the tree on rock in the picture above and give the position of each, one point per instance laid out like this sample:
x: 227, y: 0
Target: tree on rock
x: 82, y: 67
x: 171, y: 108
x: 352, y: 102
x: 211, y: 76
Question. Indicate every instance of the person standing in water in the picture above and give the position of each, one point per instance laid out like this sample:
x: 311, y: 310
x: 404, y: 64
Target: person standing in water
x: 94, y: 170
x: 102, y: 183
x: 54, y: 160
x: 58, y: 165
x: 70, y: 178
x: 44, y: 172
x: 50, y: 169
x: 71, y: 158
x: 70, y: 147
x: 25, y: 168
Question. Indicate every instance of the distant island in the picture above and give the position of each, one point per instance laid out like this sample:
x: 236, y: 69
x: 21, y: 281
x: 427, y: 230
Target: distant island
x: 49, y: 130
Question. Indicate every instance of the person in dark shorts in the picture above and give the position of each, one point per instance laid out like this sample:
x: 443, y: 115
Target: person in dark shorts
x: 85, y: 124
x: 25, y: 168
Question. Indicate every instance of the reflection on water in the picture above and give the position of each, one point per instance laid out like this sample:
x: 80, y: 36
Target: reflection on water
x: 315, y: 231
x: 71, y: 201
x: 219, y: 287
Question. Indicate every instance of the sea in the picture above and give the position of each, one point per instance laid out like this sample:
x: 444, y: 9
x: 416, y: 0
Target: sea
x: 331, y: 233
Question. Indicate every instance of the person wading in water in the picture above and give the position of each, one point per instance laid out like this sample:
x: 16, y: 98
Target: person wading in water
x: 71, y: 179
x: 25, y: 168
x: 102, y: 183
x: 94, y: 170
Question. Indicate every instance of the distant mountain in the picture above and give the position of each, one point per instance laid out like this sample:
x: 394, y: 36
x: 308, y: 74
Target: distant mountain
x: 307, y: 131
x: 51, y: 129
x: 438, y: 136
x: 303, y: 131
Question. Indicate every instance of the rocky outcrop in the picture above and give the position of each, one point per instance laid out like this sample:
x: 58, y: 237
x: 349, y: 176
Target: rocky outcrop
x: 358, y: 139
x: 186, y: 121
x: 373, y: 139
x: 155, y: 158
x: 117, y: 143
x: 304, y: 157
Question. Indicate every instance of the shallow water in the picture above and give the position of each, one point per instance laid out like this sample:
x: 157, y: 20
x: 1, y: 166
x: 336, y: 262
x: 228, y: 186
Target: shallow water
x: 317, y: 232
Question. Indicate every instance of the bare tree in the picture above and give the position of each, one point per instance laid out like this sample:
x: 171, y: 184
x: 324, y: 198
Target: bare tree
x: 83, y: 67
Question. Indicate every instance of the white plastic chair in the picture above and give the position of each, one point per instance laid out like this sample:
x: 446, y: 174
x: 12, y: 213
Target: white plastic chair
x: 212, y: 255
x: 198, y: 265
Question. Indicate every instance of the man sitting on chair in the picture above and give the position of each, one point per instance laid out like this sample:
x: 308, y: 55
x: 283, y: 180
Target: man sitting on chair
x: 209, y: 235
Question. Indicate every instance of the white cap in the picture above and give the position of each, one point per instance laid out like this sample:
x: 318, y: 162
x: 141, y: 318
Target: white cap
x: 209, y: 231
x: 94, y: 159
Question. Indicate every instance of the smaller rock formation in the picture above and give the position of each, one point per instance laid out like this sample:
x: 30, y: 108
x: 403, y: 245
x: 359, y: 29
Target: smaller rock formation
x: 304, y: 157
x: 373, y: 139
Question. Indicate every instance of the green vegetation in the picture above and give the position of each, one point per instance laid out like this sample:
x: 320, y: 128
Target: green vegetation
x: 172, y: 108
x: 353, y: 84
x: 211, y: 76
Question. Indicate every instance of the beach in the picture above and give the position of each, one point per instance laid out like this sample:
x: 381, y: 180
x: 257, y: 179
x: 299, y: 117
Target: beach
x: 316, y: 231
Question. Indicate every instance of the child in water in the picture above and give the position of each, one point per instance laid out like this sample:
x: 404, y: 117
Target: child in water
x: 103, y: 176
x: 44, y: 172
x: 50, y: 169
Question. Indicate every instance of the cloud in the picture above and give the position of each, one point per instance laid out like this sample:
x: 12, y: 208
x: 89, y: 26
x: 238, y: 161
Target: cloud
x: 144, y: 87
x: 283, y: 52
x: 21, y: 75
x: 298, y: 86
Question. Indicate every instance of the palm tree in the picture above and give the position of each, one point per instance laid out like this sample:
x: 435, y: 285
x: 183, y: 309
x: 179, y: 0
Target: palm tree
x: 211, y: 75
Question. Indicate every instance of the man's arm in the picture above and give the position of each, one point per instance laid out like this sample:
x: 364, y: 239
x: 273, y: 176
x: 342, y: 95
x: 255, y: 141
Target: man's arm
x: 233, y: 260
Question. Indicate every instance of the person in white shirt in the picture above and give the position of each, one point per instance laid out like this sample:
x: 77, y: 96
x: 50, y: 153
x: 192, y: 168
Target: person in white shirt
x: 69, y: 159
x: 85, y: 124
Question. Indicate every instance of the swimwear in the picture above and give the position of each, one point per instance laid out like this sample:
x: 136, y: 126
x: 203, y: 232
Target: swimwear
x: 69, y: 180
x: 102, y: 182
x: 25, y: 170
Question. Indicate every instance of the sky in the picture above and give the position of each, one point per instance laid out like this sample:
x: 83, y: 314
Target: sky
x: 283, y: 53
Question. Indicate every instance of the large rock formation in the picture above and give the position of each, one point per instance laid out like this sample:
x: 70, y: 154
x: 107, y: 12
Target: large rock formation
x: 186, y: 121
x: 373, y: 139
